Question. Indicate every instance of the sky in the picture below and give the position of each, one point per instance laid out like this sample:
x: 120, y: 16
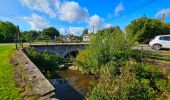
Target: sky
x: 73, y: 16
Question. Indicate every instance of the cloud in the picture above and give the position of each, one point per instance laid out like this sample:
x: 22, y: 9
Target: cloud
x: 76, y: 30
x: 108, y: 25
x: 163, y: 11
x: 118, y: 9
x: 36, y: 22
x: 66, y: 10
x: 71, y: 12
x: 96, y: 21
x: 40, y: 5
x: 72, y: 30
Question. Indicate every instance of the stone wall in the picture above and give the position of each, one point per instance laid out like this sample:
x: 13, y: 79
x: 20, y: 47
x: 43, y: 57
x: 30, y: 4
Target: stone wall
x: 42, y: 88
x: 62, y: 49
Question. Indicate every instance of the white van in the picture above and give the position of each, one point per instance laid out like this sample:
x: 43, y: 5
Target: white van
x: 160, y: 41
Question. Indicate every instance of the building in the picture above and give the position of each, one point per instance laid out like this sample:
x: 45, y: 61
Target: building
x: 86, y: 37
x: 66, y: 38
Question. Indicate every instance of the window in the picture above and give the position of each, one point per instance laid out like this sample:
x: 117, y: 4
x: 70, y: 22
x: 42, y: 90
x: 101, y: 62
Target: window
x: 166, y: 38
x: 161, y: 38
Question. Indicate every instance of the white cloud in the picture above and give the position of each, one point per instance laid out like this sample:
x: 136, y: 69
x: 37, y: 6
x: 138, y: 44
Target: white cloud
x: 66, y: 10
x: 71, y: 12
x: 96, y: 21
x: 118, y: 9
x: 36, y: 22
x: 72, y: 30
x: 108, y: 25
x: 76, y: 30
x: 40, y: 5
x: 163, y: 11
x: 62, y: 31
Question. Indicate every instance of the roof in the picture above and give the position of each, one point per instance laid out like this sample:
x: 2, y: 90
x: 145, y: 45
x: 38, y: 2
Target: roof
x: 163, y: 35
x: 87, y: 34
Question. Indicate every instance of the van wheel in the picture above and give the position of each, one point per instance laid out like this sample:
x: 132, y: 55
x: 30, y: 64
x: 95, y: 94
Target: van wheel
x: 157, y: 47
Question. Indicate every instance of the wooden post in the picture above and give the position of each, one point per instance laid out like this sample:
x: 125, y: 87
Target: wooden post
x: 19, y: 36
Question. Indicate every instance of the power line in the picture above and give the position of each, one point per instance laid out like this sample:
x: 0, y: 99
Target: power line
x: 133, y: 10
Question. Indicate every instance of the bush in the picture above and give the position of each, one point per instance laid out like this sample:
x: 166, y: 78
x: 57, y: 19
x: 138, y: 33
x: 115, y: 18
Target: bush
x: 105, y: 48
x: 49, y: 62
x: 132, y: 84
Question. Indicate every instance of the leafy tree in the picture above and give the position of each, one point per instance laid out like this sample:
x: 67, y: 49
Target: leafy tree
x: 7, y: 31
x: 29, y: 35
x: 85, y: 31
x: 33, y: 34
x: 145, y: 29
x: 51, y: 32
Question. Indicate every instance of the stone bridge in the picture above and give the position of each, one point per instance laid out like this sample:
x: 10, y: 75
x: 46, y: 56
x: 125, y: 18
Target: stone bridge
x: 62, y: 49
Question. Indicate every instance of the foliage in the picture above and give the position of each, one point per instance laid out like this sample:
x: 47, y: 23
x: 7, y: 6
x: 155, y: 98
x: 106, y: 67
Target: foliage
x: 107, y: 47
x: 145, y: 29
x: 28, y: 36
x: 136, y: 82
x: 7, y: 31
x: 49, y: 62
x: 122, y: 75
x: 8, y: 86
x: 51, y: 32
x: 85, y: 31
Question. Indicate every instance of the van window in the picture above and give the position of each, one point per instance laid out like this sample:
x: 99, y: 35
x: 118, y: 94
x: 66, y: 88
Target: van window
x: 161, y: 38
x: 166, y: 38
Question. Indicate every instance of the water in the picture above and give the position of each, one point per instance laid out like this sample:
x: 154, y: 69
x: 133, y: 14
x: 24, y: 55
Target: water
x: 72, y: 85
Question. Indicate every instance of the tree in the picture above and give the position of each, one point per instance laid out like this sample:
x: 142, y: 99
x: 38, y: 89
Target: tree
x: 33, y: 34
x: 7, y: 31
x: 85, y: 31
x: 145, y: 29
x: 51, y: 31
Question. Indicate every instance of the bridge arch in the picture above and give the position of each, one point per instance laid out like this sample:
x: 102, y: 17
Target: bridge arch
x: 71, y: 54
x: 62, y: 49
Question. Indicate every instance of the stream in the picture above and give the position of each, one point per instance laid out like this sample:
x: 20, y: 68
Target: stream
x: 72, y: 85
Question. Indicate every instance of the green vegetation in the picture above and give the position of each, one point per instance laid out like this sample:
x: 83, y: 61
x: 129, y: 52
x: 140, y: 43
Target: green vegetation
x: 123, y: 75
x: 8, y: 89
x: 85, y: 31
x: 7, y: 32
x: 28, y: 36
x: 108, y: 47
x: 51, y: 32
x: 145, y: 29
x: 49, y: 62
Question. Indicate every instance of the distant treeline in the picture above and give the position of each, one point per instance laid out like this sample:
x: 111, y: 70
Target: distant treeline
x: 143, y: 29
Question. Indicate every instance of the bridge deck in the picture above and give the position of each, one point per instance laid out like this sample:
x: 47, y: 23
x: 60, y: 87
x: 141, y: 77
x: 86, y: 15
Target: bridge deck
x: 53, y: 44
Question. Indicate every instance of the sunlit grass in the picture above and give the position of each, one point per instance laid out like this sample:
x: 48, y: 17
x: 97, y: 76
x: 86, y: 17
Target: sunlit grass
x: 8, y: 89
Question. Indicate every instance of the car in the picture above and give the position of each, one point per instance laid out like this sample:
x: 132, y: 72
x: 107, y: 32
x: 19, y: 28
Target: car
x: 160, y: 41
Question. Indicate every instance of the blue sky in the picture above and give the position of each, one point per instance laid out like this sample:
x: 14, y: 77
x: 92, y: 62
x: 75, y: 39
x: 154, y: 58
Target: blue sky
x: 75, y: 15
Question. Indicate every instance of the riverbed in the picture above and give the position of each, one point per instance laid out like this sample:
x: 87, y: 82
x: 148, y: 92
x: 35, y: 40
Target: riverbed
x: 72, y: 85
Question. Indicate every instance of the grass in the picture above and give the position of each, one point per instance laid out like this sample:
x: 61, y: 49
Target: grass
x: 8, y: 88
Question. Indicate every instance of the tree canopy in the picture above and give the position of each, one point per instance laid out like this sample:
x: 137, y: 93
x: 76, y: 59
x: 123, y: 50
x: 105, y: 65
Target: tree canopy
x: 7, y: 31
x: 51, y: 32
x: 85, y: 31
x: 145, y: 29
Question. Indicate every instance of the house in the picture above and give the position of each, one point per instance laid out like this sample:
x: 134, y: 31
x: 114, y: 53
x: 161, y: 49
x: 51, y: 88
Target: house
x: 66, y: 38
x: 86, y: 37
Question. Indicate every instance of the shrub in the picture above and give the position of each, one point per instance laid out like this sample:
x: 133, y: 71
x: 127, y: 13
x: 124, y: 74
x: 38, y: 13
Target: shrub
x: 49, y: 62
